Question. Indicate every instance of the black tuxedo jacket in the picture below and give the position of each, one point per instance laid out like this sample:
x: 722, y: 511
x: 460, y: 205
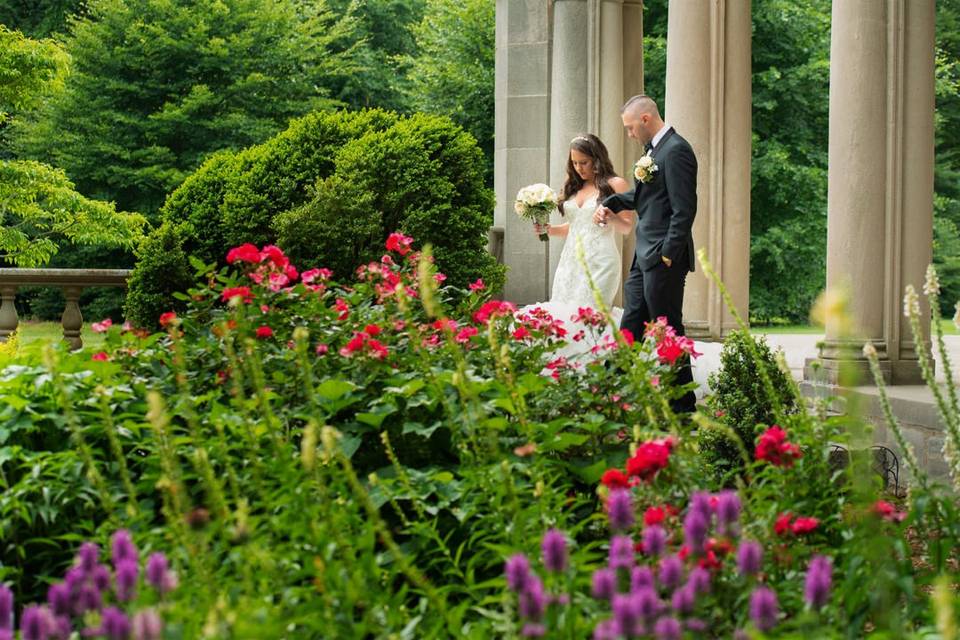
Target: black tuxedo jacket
x: 665, y: 206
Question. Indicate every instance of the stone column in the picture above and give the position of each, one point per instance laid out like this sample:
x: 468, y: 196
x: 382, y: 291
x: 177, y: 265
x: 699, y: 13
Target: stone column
x: 632, y: 28
x: 522, y: 144
x: 708, y: 101
x: 8, y: 312
x: 880, y: 183
x: 573, y: 57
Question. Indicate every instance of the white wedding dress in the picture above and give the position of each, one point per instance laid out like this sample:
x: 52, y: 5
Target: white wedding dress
x: 571, y: 288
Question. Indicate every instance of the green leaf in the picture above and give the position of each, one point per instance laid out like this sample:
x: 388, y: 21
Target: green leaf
x: 334, y: 389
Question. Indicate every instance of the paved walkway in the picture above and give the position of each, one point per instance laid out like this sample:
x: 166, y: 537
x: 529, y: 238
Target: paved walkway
x: 798, y: 347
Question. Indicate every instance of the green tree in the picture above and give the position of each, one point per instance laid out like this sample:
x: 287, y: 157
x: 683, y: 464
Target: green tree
x: 946, y: 241
x: 158, y: 85
x: 38, y: 18
x: 39, y: 208
x: 453, y: 74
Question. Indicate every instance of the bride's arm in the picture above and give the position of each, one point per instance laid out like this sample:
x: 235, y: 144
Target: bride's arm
x: 558, y: 230
x: 623, y: 221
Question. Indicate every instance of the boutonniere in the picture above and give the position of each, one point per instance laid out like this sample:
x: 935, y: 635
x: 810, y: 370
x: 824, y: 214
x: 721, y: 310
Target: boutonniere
x: 644, y: 168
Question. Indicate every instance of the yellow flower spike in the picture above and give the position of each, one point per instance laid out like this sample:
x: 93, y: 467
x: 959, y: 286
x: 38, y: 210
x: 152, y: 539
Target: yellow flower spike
x: 831, y: 310
x: 943, y: 607
x: 329, y: 437
x: 308, y: 446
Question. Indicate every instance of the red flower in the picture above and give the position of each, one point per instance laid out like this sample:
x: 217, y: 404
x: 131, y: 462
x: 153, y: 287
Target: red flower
x: 100, y: 355
x: 168, y: 318
x: 478, y: 285
x: 650, y: 457
x: 615, y: 479
x: 709, y: 561
x: 102, y: 326
x: 377, y: 349
x: 236, y: 292
x: 520, y: 333
x: 804, y: 525
x: 344, y: 309
x: 264, y: 331
x: 399, y: 243
x: 669, y: 350
x: 492, y: 309
x: 466, y: 333
x: 774, y: 448
x: 721, y: 547
x: 244, y: 253
x: 654, y: 515
x: 628, y: 336
x: 371, y: 330
x: 587, y: 316
x: 782, y: 524
x: 275, y: 255
x: 322, y: 349
x: 888, y: 512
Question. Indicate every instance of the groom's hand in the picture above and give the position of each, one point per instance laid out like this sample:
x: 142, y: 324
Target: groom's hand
x: 600, y: 215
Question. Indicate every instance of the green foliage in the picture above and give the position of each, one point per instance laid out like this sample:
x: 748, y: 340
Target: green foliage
x: 423, y: 177
x: 157, y: 86
x: 453, y: 73
x: 38, y: 18
x: 740, y: 403
x: 28, y: 68
x: 329, y: 190
x: 162, y: 270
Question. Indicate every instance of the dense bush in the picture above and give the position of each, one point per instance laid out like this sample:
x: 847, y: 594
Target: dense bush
x: 328, y: 190
x: 740, y: 401
x: 162, y: 271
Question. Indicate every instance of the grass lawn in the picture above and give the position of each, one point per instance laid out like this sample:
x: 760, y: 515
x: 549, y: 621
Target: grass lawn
x: 35, y: 332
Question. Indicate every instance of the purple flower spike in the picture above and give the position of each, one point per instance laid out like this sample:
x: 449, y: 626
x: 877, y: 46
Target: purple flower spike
x: 728, y: 512
x: 699, y: 580
x: 533, y: 599
x: 641, y: 578
x: 6, y: 608
x: 668, y: 629
x: 696, y: 625
x: 647, y: 603
x: 695, y: 528
x: 88, y: 556
x: 6, y: 634
x: 114, y: 624
x: 764, y: 608
x: 122, y: 548
x: 517, y: 570
x: 671, y: 571
x: 58, y: 597
x: 625, y: 614
x: 158, y: 574
x: 62, y: 627
x: 554, y: 550
x: 89, y: 598
x: 749, y: 557
x: 147, y: 625
x: 604, y: 584
x: 816, y: 590
x: 683, y: 599
x: 36, y: 624
x: 127, y: 574
x: 605, y: 631
x: 654, y: 540
x: 621, y: 552
x: 531, y: 630
x: 701, y: 503
x: 620, y: 510
x: 101, y: 577
x: 74, y: 578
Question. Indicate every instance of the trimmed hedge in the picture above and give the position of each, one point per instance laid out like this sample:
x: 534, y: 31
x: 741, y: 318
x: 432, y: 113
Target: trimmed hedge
x: 329, y: 190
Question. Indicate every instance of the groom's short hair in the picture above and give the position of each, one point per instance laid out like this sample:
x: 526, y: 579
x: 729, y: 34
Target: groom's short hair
x: 641, y: 104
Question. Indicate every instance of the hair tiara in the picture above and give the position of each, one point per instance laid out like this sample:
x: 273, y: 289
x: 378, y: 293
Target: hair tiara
x: 580, y: 139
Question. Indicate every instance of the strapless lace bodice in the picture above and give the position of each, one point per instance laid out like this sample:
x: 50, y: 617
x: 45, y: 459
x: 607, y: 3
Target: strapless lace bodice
x: 570, y: 284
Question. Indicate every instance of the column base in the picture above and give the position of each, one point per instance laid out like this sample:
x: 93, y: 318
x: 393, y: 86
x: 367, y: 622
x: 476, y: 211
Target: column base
x: 845, y: 359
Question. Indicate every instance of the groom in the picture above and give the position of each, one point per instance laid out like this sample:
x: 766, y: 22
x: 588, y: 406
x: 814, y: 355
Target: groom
x: 665, y: 199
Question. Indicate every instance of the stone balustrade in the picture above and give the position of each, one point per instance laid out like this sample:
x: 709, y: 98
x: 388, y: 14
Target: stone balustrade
x: 71, y: 281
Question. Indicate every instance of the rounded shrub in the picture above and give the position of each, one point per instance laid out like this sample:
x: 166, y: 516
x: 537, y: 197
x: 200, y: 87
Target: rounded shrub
x: 329, y: 190
x: 741, y: 402
x: 162, y: 270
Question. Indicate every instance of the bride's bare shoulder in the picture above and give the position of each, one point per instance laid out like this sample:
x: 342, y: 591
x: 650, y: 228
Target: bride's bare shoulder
x: 619, y: 184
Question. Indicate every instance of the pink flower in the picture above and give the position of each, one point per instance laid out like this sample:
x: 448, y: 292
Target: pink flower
x: 465, y: 334
x: 492, y: 309
x: 100, y: 356
x: 399, y: 243
x: 244, y: 253
x: 439, y: 278
x: 775, y: 449
x: 236, y: 292
x: 888, y: 512
x: 804, y: 525
x: 273, y: 254
x: 264, y: 331
x: 520, y: 333
x: 102, y: 326
x: 478, y: 285
x: 322, y: 349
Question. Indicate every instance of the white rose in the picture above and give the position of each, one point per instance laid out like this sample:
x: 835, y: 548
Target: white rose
x: 645, y: 162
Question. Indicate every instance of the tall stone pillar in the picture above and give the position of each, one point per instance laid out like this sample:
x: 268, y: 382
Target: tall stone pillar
x: 632, y: 29
x: 572, y: 61
x: 708, y: 101
x: 522, y: 137
x: 880, y: 183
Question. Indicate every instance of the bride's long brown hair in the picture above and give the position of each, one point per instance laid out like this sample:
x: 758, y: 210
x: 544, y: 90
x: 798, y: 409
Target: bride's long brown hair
x: 589, y: 145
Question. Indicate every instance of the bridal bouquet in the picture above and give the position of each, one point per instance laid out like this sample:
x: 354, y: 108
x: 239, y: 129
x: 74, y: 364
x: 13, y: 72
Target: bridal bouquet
x: 534, y: 203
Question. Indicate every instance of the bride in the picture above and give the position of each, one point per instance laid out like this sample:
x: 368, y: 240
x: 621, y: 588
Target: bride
x: 590, y: 179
